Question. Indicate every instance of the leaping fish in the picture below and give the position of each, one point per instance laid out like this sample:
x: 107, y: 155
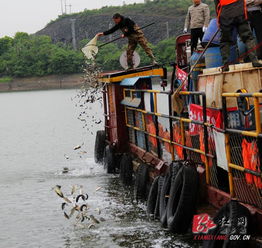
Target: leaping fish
x: 96, y: 221
x: 58, y: 191
x: 67, y: 200
x: 83, y: 207
x: 66, y: 215
x: 98, y: 210
x: 80, y: 196
x: 74, y: 189
x: 90, y: 226
x: 79, y: 146
x: 63, y: 205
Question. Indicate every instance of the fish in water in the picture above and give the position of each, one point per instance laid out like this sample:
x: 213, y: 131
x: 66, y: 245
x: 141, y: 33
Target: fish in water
x: 98, y: 188
x: 98, y: 210
x: 66, y: 215
x: 96, y: 221
x: 102, y: 219
x: 63, y: 205
x: 84, y: 207
x: 58, y: 191
x: 80, y: 196
x: 72, y: 212
x: 78, y: 147
x: 67, y: 200
x: 74, y: 189
x: 90, y: 226
x: 65, y: 170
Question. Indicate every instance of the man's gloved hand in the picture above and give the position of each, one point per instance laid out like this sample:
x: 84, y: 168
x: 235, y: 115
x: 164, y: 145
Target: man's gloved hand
x: 185, y: 30
x: 204, y: 29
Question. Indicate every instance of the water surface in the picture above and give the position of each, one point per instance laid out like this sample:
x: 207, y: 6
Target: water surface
x: 38, y: 131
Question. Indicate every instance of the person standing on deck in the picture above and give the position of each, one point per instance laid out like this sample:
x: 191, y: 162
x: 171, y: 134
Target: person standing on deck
x: 197, y: 19
x: 254, y: 9
x: 231, y: 14
x: 135, y: 36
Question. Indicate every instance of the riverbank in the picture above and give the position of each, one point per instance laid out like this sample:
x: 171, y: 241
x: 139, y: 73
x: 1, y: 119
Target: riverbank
x: 43, y: 83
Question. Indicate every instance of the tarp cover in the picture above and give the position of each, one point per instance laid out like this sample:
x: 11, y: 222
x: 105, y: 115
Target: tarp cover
x: 90, y: 49
x: 132, y: 81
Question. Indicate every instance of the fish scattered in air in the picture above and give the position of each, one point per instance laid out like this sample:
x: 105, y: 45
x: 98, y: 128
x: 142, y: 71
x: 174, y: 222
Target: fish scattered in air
x: 78, y: 147
x: 58, y: 191
x: 78, y: 204
x: 92, y: 217
x: 98, y: 188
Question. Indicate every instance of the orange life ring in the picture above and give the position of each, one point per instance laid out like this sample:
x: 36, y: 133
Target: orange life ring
x: 252, y: 162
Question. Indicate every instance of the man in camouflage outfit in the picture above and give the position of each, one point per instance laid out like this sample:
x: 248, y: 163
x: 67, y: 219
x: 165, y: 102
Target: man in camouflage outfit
x: 233, y: 14
x: 135, y: 36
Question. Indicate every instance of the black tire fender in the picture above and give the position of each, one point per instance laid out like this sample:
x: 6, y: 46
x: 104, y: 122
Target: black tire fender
x: 109, y: 160
x: 152, y: 198
x: 157, y: 207
x: 165, y: 191
x: 100, y: 145
x: 126, y: 169
x: 164, y: 197
x: 182, y: 201
x: 141, y: 181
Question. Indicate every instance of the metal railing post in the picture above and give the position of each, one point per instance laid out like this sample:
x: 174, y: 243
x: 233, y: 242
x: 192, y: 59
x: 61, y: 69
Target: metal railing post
x: 257, y: 115
x: 227, y: 140
x: 205, y: 139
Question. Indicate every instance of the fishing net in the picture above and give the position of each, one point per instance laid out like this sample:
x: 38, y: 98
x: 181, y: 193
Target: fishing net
x: 90, y: 49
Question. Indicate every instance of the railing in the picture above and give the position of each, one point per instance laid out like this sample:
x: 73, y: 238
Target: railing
x: 237, y: 171
x: 182, y: 122
x: 242, y: 151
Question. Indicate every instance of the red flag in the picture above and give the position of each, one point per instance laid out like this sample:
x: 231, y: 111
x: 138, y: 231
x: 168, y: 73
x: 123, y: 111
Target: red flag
x: 182, y: 76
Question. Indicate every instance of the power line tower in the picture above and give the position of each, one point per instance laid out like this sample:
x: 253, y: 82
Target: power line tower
x: 62, y: 10
x: 70, y: 8
x: 73, y: 30
x: 110, y: 36
x: 65, y: 7
x: 167, y: 30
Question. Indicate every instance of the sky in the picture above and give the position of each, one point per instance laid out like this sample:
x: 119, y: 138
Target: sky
x: 32, y: 15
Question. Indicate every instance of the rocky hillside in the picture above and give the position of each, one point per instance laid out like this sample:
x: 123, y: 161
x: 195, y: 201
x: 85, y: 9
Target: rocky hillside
x: 167, y: 14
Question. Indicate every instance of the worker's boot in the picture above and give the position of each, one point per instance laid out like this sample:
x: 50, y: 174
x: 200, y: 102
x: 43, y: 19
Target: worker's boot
x: 153, y: 61
x: 130, y: 67
x: 251, y: 44
x: 130, y: 64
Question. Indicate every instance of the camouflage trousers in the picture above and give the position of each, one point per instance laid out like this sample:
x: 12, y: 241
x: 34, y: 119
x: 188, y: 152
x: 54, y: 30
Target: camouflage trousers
x: 227, y: 26
x: 133, y: 41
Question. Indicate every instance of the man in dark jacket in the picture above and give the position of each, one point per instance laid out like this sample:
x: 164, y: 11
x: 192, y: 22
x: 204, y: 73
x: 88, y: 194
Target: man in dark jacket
x: 232, y: 13
x: 135, y: 36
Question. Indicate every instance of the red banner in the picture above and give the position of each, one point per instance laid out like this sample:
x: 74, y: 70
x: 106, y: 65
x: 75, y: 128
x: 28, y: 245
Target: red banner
x: 182, y: 76
x: 214, y: 117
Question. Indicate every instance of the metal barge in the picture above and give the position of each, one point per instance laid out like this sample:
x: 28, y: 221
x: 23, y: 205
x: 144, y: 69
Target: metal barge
x: 210, y: 152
